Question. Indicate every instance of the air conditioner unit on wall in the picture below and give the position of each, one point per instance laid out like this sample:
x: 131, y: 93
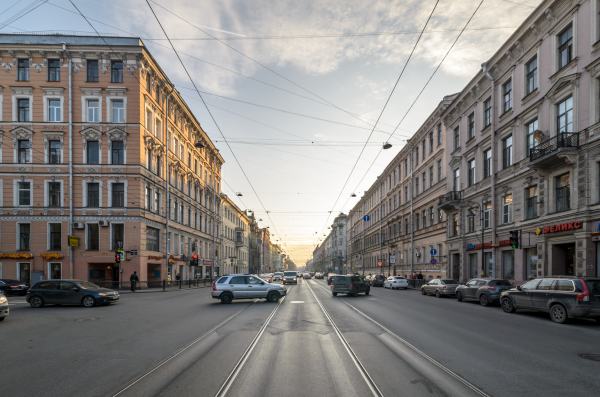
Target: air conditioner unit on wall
x: 103, y: 223
x: 78, y: 225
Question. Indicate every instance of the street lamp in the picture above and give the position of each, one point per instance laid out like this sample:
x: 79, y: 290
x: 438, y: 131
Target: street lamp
x: 387, y: 145
x: 471, y: 215
x: 199, y: 145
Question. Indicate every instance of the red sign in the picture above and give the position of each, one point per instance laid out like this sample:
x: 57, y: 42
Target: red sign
x: 562, y: 228
x: 379, y: 263
x: 504, y: 243
x: 208, y: 263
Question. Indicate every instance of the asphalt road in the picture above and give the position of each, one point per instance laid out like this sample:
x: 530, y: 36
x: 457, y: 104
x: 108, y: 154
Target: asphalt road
x: 390, y: 343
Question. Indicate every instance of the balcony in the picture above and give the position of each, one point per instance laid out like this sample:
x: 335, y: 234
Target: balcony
x: 449, y: 200
x: 239, y: 242
x: 554, y: 150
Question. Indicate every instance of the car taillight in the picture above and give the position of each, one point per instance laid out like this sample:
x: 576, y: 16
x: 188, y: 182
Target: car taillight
x: 214, y: 286
x: 351, y: 285
x: 585, y: 296
x: 444, y: 287
x: 15, y: 286
x: 491, y: 287
x: 394, y: 281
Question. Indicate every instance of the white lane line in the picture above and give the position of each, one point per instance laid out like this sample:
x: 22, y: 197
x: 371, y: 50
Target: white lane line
x: 363, y: 371
x: 238, y: 367
x: 297, y: 302
x: 421, y: 353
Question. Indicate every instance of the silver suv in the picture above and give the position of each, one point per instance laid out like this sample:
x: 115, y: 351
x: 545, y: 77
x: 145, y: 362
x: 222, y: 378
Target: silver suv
x: 244, y: 286
x: 289, y: 277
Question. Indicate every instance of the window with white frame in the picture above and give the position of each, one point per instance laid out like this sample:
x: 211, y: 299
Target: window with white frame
x: 54, y: 110
x: 118, y: 111
x: 23, y: 151
x: 54, y: 152
x: 487, y: 112
x: 531, y: 202
x: 157, y: 202
x: 565, y: 47
x: 24, y: 236
x: 54, y: 194
x: 54, y: 236
x: 471, y: 164
x: 487, y: 215
x: 456, y: 180
x: 531, y: 83
x: 487, y: 163
x: 507, y: 96
x: 471, y: 126
x: 507, y: 152
x: 564, y: 115
x: 507, y: 209
x: 531, y: 141
x: 149, y: 120
x: 93, y: 111
x: 23, y: 110
x: 24, y: 193
x: 117, y: 195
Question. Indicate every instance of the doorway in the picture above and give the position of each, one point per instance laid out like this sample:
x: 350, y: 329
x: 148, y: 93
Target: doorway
x: 456, y: 266
x: 563, y: 259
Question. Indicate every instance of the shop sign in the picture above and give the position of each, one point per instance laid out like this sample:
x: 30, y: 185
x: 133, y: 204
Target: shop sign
x: 393, y: 259
x: 504, y: 243
x: 208, y: 263
x: 155, y: 257
x: 478, y: 246
x: 73, y: 241
x: 559, y: 228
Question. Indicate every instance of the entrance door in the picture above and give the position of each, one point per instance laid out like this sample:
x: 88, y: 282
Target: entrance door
x: 563, y: 259
x: 455, y: 266
x: 55, y: 271
x: 24, y: 272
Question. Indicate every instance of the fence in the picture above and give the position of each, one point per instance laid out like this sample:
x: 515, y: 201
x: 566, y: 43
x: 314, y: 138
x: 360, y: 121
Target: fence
x: 157, y: 285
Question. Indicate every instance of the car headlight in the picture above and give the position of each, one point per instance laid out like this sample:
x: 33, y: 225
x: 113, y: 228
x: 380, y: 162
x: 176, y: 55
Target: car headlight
x: 102, y: 294
x: 3, y: 299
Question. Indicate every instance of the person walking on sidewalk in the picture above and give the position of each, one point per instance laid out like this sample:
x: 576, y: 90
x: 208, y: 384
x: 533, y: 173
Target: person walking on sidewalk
x: 134, y: 279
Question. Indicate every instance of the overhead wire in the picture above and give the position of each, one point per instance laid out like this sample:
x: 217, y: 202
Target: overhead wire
x: 20, y: 14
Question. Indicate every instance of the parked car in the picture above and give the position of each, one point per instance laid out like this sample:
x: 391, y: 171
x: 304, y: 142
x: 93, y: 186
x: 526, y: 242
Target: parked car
x: 267, y: 278
x: 319, y: 276
x: 277, y: 276
x: 563, y: 297
x: 440, y: 287
x: 243, y: 286
x: 290, y: 277
x: 395, y: 282
x: 69, y: 292
x: 485, y: 290
x: 4, y: 310
x: 330, y: 278
x: 351, y: 285
x: 13, y: 287
x: 306, y: 276
x: 377, y: 280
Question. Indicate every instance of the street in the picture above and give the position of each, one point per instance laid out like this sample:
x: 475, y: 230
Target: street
x: 392, y: 342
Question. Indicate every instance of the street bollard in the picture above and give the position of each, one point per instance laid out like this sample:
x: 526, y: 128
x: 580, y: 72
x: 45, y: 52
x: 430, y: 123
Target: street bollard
x: 164, y: 285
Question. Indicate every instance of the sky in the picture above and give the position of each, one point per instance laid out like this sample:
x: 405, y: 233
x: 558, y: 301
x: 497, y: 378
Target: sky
x: 296, y: 87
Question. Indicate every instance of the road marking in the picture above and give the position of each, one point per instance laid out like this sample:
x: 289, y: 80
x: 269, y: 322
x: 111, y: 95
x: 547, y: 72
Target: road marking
x: 363, y: 371
x: 407, y: 344
x: 238, y: 367
x: 297, y: 302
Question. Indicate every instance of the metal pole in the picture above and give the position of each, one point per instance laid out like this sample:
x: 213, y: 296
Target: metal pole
x: 380, y: 220
x: 412, y: 234
x: 482, y: 243
x: 168, y: 180
x: 71, y: 270
x: 363, y: 238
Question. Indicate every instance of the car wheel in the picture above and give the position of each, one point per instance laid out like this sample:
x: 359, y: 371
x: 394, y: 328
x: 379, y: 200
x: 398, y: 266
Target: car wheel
x: 334, y: 293
x: 368, y: 291
x: 36, y: 301
x: 88, y: 301
x: 558, y: 314
x: 459, y: 296
x: 226, y: 298
x: 437, y: 294
x: 273, y: 296
x: 508, y: 306
x: 2, y: 318
x: 423, y: 291
x: 483, y: 300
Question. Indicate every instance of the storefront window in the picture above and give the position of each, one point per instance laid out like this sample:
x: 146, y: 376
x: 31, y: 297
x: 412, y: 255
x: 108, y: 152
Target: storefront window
x: 489, y: 265
x: 508, y: 264
x: 472, y: 265
x: 55, y: 271
x: 530, y: 263
x: 24, y: 272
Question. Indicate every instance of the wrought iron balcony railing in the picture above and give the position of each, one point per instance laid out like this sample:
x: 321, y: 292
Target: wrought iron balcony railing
x: 450, y: 197
x: 551, y: 145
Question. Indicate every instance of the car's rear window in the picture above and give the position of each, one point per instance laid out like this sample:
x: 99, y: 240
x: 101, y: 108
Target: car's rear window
x: 86, y: 285
x: 502, y: 283
x: 222, y: 280
x: 379, y: 277
x: 290, y: 274
x: 342, y: 279
x: 399, y: 278
x: 449, y: 281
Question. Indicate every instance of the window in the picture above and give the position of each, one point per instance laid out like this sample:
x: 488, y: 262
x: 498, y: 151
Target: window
x: 156, y: 202
x: 417, y: 221
x: 407, y: 227
x: 93, y: 237
x: 405, y: 167
x: 507, y: 96
x: 440, y: 215
x: 563, y: 194
x: 416, y: 186
x: 23, y: 105
x: 531, y: 202
x: 439, y: 167
x: 24, y: 151
x: 93, y: 195
x: 118, y: 195
x: 406, y: 194
x: 431, y: 142
x: 24, y: 236
x: 530, y: 263
x: 118, y: 235
x: 424, y: 148
x: 472, y: 265
x: 118, y: 111
x: 54, y: 194
x: 93, y: 111
x: 564, y: 121
x: 53, y: 70
x: 430, y: 216
x: 470, y: 224
x: 456, y: 180
x: 424, y: 181
x: 54, y: 149
x: 565, y: 47
x: 507, y: 209
x: 439, y: 134
x: 487, y: 113
x: 471, y: 126
x: 531, y: 76
x: 487, y: 215
x: 487, y: 163
x: 116, y: 72
x: 23, y: 70
x: 471, y: 172
x: 118, y: 153
x: 93, y: 152
x: 455, y: 225
x: 55, y: 236
x: 508, y: 264
x: 507, y: 152
x: 24, y: 193
x: 531, y: 141
x: 456, y: 138
x: 148, y: 199
x: 54, y: 110
x: 92, y: 71
x: 416, y: 155
x: 431, y: 176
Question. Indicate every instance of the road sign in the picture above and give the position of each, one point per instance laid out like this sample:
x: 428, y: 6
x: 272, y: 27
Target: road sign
x: 379, y: 263
x: 336, y: 268
x: 73, y: 241
x: 433, y: 261
x: 393, y: 259
x: 133, y: 252
x: 433, y: 251
x: 366, y: 218
x: 121, y: 255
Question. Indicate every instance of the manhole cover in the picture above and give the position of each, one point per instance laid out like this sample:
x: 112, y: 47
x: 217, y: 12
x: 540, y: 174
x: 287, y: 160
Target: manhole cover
x: 86, y: 319
x: 588, y: 356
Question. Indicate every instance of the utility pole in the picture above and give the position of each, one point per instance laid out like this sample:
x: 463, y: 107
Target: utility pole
x: 380, y: 220
x: 168, y: 179
x: 412, y: 229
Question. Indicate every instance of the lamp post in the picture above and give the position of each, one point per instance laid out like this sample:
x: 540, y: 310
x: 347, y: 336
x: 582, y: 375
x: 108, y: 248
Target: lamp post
x: 472, y: 216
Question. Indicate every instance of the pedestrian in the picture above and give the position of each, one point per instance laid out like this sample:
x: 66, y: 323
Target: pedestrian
x: 420, y: 276
x: 414, y: 276
x: 134, y: 279
x: 177, y: 277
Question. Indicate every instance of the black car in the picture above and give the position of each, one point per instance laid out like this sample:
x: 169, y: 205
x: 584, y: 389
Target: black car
x: 484, y: 290
x: 377, y: 280
x: 563, y: 297
x: 351, y: 285
x: 15, y: 287
x: 3, y: 307
x: 69, y: 292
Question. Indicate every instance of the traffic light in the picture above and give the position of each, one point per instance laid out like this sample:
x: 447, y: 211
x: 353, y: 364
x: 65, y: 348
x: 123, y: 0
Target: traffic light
x: 117, y: 258
x: 194, y: 260
x: 514, y: 238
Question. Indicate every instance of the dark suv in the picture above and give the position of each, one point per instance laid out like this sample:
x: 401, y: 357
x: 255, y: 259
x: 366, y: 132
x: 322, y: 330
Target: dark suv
x: 377, y: 280
x: 484, y: 290
x: 563, y: 297
x: 351, y: 285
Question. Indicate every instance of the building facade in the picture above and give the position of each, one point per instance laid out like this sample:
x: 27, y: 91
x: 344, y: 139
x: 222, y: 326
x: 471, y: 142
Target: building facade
x: 524, y: 152
x: 235, y: 238
x: 103, y: 175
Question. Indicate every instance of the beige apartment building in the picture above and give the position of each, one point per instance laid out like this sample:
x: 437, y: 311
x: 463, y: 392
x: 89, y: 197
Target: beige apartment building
x: 408, y: 189
x: 235, y: 238
x: 86, y: 154
x: 524, y: 152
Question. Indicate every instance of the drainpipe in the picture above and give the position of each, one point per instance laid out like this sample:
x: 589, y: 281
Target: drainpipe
x: 412, y: 229
x: 493, y: 161
x: 168, y: 180
x: 380, y: 220
x: 64, y: 45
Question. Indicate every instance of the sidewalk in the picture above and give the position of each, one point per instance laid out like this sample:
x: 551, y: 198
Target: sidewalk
x: 168, y: 289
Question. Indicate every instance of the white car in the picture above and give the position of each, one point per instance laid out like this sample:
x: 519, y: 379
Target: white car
x: 395, y: 282
x: 277, y: 276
